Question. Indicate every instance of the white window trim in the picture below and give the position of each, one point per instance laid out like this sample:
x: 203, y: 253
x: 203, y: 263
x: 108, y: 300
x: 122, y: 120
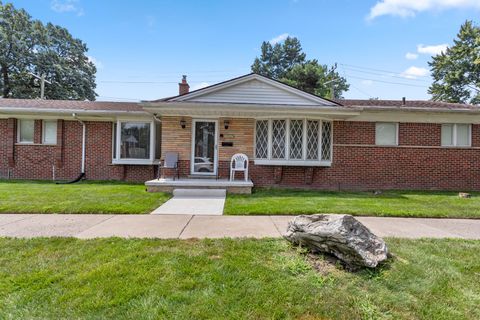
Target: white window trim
x: 294, y: 162
x: 43, y: 132
x: 151, y: 160
x: 454, y: 136
x: 19, y: 135
x: 396, y: 134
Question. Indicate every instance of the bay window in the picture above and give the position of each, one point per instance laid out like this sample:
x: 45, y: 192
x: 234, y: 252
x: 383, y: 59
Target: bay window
x: 303, y: 142
x: 133, y: 142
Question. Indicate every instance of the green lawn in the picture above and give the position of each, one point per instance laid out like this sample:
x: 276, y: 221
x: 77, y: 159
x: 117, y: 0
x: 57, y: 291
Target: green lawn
x: 390, y: 203
x: 83, y: 197
x: 231, y: 279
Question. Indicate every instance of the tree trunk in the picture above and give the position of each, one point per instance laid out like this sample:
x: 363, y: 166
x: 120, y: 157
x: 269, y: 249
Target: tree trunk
x: 6, y: 81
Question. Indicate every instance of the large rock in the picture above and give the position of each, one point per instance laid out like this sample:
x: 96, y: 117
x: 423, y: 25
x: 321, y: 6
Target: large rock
x: 340, y: 235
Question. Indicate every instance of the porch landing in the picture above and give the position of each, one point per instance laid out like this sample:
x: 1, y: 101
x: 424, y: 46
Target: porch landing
x: 168, y: 185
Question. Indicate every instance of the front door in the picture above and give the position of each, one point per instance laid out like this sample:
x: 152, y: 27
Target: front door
x: 204, y: 153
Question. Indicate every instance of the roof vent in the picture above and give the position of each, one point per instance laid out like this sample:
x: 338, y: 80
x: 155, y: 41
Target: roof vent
x: 404, y: 100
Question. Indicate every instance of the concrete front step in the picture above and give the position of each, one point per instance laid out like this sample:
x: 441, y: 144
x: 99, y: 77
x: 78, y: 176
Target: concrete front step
x: 199, y: 193
x: 168, y: 185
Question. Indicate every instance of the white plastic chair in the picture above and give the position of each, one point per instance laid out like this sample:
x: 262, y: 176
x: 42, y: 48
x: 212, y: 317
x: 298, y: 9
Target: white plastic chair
x: 239, y: 162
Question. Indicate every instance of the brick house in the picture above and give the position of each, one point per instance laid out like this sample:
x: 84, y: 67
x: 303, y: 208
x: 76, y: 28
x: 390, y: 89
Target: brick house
x: 292, y: 138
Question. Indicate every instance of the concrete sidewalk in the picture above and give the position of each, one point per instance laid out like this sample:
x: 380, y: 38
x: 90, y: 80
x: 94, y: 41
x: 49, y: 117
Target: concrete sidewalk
x: 87, y: 226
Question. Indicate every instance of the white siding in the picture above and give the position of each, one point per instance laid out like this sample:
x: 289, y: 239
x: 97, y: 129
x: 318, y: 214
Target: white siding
x: 255, y: 92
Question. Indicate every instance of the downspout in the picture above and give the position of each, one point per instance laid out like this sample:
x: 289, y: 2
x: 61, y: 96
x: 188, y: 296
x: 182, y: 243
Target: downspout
x: 74, y: 115
x: 82, y: 173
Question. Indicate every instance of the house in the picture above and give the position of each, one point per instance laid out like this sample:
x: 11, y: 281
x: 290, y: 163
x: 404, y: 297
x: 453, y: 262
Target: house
x: 292, y: 138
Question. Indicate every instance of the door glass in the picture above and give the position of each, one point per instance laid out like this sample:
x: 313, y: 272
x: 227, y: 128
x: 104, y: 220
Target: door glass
x: 204, y: 152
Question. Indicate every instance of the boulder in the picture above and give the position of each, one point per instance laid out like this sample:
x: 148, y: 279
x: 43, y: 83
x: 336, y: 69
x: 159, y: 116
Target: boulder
x: 340, y: 235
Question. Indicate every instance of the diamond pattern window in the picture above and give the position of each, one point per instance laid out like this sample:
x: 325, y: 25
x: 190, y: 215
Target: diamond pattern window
x: 261, y: 139
x: 278, y: 139
x: 312, y: 140
x: 326, y: 141
x: 293, y: 141
x: 296, y: 139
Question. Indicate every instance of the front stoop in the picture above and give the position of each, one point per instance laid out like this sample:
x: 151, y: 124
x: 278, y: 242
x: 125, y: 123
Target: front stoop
x: 194, y: 202
x: 169, y: 185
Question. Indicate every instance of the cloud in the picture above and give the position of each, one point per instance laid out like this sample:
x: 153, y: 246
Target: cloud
x: 414, y: 72
x: 432, y: 50
x: 63, y: 6
x: 96, y: 62
x: 409, y: 8
x: 200, y: 85
x: 411, y: 56
x: 279, y: 38
x: 366, y: 82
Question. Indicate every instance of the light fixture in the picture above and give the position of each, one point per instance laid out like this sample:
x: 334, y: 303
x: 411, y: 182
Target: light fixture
x: 226, y: 123
x: 183, y: 123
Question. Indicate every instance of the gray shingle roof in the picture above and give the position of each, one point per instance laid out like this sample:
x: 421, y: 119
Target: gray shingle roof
x: 70, y: 105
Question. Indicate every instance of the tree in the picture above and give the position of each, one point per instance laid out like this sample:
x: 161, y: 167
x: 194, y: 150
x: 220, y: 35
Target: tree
x: 456, y: 72
x: 28, y: 46
x: 287, y: 62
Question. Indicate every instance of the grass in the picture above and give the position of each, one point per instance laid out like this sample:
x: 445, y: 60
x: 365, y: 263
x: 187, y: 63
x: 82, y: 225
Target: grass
x: 231, y: 279
x: 83, y: 197
x: 389, y: 203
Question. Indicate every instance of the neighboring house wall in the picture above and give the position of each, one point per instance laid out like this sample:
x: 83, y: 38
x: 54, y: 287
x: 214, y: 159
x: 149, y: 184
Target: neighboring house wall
x: 37, y: 161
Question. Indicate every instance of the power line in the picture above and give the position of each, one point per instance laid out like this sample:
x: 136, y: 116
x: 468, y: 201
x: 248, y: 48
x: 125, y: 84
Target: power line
x: 384, y: 75
x: 361, y: 91
x: 389, y: 82
x: 373, y: 69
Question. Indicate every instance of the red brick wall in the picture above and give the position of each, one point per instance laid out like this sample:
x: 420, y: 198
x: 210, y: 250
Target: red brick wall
x: 419, y: 162
x: 419, y: 134
x: 349, y: 132
x: 35, y: 161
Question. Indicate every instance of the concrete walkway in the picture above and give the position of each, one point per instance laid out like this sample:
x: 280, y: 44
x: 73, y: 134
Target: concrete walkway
x: 87, y: 226
x: 194, y: 202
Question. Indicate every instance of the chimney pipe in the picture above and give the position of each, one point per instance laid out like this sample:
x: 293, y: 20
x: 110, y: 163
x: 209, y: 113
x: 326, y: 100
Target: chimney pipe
x: 183, y: 87
x: 404, y: 100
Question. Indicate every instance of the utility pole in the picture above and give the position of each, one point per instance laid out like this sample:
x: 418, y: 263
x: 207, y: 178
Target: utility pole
x: 332, y: 86
x: 42, y: 83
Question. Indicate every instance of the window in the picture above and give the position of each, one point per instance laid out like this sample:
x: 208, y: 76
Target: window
x: 26, y: 130
x: 293, y: 142
x: 133, y: 142
x: 456, y: 135
x: 261, y: 140
x: 386, y: 133
x: 49, y: 132
x: 279, y: 139
x: 296, y: 139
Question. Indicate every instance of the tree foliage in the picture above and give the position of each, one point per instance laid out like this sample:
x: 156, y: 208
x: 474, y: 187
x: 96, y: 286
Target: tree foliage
x: 456, y: 72
x: 28, y: 46
x: 287, y: 62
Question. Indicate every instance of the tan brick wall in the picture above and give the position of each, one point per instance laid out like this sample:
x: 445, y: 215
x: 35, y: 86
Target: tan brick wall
x: 240, y: 132
x: 176, y: 139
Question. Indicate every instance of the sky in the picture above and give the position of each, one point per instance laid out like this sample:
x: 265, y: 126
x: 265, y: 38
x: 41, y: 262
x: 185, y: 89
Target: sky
x: 142, y: 48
